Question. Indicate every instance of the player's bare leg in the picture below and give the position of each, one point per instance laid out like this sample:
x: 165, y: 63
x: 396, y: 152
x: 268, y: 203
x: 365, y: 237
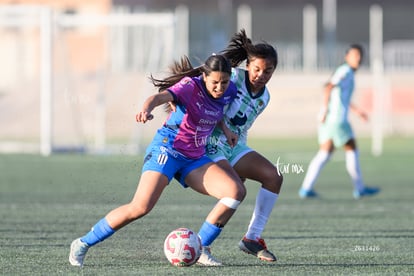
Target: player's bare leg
x: 147, y: 194
x: 211, y: 180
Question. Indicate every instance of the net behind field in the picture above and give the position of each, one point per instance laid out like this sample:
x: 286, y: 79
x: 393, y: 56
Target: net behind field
x: 99, y: 81
x: 100, y: 67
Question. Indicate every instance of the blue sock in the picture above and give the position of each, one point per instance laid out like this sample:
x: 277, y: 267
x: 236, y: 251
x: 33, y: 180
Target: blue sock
x: 98, y: 233
x: 208, y: 233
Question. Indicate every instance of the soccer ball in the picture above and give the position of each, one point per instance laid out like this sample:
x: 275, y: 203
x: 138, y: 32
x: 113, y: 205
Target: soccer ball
x: 182, y: 247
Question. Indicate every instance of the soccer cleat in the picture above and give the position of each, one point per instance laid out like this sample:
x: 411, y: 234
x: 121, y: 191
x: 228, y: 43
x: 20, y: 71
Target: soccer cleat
x: 367, y: 191
x: 206, y: 259
x: 257, y: 248
x: 307, y: 193
x: 78, y: 250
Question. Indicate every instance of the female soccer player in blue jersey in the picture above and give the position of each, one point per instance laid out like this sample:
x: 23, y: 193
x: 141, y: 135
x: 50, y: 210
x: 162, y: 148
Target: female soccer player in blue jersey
x: 252, y: 98
x: 178, y: 149
x: 335, y: 129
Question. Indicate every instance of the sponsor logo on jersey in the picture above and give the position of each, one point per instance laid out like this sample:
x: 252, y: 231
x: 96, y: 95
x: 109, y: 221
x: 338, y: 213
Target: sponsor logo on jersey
x: 207, y: 122
x: 199, y: 105
x: 212, y: 113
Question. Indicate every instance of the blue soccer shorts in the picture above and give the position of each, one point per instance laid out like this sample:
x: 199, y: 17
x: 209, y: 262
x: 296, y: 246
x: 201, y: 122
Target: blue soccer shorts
x: 163, y: 159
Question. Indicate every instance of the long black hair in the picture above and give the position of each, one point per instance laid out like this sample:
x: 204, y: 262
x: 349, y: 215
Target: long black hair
x: 241, y: 48
x: 184, y: 68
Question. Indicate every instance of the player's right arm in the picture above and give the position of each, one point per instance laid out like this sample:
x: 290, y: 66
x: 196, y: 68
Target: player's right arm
x: 151, y: 102
x: 361, y: 113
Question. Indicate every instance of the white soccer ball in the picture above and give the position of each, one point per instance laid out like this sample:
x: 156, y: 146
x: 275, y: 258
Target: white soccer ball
x: 182, y: 247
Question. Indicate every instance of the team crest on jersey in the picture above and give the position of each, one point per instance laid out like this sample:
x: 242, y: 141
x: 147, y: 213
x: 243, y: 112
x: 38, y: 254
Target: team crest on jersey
x: 212, y: 149
x: 201, y: 94
x: 185, y: 81
x: 260, y: 103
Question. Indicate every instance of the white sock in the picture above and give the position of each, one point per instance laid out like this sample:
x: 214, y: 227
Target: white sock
x: 352, y: 166
x: 265, y: 201
x: 314, y: 169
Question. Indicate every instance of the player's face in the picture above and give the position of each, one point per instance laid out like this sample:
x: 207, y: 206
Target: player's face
x: 260, y: 71
x: 216, y: 83
x: 353, y: 58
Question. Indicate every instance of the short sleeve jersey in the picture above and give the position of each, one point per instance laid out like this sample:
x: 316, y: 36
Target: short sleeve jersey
x: 340, y: 98
x: 246, y: 107
x: 196, y: 116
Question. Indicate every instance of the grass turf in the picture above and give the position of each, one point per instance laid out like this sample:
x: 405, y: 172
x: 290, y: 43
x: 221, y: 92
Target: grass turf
x: 47, y: 202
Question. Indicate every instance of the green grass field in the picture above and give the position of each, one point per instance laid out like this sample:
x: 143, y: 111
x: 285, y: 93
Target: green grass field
x: 47, y: 202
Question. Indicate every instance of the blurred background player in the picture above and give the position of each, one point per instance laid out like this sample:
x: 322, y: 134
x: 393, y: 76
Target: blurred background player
x: 334, y: 128
x: 178, y: 148
x: 252, y: 98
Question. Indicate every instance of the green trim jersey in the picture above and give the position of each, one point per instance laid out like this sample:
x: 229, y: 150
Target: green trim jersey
x: 340, y: 98
x: 241, y: 113
x: 336, y: 126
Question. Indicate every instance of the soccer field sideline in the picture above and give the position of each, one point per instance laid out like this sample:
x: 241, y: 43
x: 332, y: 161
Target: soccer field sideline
x: 47, y: 202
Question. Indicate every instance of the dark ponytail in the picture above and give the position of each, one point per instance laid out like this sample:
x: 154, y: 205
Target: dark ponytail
x: 241, y: 48
x: 184, y: 68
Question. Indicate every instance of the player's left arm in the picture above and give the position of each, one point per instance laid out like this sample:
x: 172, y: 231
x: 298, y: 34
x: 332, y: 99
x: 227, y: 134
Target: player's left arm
x: 232, y: 138
x: 325, y: 101
x: 361, y: 113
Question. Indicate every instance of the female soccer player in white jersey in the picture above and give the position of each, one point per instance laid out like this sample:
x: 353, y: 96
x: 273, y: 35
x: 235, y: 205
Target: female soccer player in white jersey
x: 335, y: 129
x: 252, y: 98
x: 178, y: 149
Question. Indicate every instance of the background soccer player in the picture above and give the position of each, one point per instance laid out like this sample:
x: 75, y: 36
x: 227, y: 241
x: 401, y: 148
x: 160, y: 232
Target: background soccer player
x: 335, y: 130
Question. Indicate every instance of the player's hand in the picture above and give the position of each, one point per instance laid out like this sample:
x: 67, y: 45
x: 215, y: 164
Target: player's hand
x: 173, y: 106
x: 232, y: 138
x: 322, y: 115
x: 144, y: 116
x: 364, y: 116
x: 322, y: 119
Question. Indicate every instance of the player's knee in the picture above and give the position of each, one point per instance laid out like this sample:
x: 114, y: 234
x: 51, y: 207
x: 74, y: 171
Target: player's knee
x: 272, y: 180
x: 276, y: 184
x: 235, y: 196
x: 237, y: 191
x: 230, y: 202
x: 241, y: 193
x: 279, y: 180
x: 136, y: 211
